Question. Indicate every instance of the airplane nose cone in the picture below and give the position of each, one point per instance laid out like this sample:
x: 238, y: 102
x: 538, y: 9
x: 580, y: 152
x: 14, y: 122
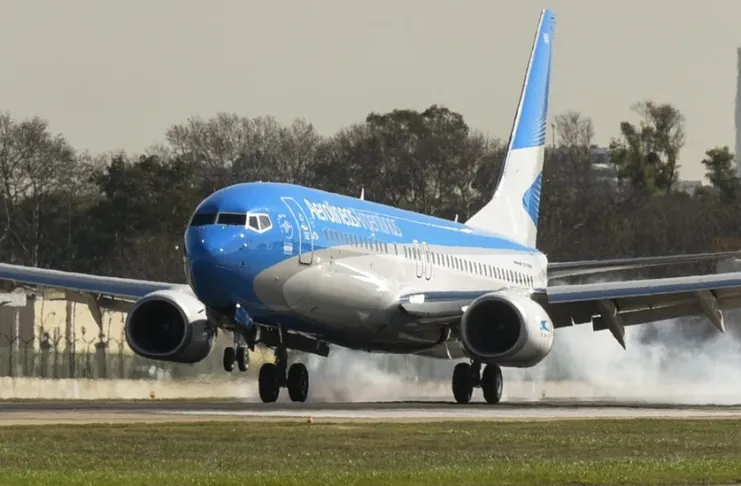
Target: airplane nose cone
x: 212, y: 260
x: 213, y: 243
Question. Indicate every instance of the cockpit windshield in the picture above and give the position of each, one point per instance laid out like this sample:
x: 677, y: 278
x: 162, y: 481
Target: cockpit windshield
x: 259, y: 222
x: 232, y: 219
x: 202, y: 219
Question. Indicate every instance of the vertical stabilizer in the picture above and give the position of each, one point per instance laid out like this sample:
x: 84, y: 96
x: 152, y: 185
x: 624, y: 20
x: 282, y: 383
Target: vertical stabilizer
x: 513, y: 209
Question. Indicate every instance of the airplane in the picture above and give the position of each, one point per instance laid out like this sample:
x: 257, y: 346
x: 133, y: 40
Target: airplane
x: 297, y: 268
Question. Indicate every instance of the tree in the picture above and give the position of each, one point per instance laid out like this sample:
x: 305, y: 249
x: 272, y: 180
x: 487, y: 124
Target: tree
x: 572, y: 129
x: 721, y: 173
x: 138, y: 222
x: 425, y: 161
x: 38, y: 172
x: 646, y: 155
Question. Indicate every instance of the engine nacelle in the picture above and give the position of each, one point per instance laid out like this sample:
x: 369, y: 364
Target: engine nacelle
x: 506, y: 328
x: 169, y: 325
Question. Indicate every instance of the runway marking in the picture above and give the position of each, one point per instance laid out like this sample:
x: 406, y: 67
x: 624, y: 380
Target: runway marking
x: 468, y: 414
x: 37, y: 412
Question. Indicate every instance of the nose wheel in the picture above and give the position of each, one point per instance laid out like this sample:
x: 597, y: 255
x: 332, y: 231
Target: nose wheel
x: 273, y: 377
x: 237, y: 354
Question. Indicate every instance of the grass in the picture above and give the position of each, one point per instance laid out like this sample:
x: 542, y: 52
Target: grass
x: 237, y: 453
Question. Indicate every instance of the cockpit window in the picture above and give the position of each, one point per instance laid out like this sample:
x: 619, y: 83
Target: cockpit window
x: 202, y: 219
x: 265, y: 222
x: 232, y: 219
x: 259, y: 222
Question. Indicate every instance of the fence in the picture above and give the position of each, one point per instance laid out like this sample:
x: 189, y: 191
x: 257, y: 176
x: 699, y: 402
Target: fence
x: 51, y: 355
x: 48, y: 354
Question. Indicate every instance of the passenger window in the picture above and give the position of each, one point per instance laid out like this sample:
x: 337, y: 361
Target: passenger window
x: 232, y: 219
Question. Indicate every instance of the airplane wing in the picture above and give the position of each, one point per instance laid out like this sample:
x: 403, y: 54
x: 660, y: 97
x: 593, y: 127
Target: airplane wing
x: 591, y: 267
x: 611, y: 305
x: 109, y: 292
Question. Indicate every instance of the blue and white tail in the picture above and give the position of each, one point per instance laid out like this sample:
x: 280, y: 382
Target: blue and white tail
x: 513, y: 210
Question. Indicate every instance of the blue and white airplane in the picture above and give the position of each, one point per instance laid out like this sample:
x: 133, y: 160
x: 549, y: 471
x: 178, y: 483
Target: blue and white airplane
x: 291, y: 267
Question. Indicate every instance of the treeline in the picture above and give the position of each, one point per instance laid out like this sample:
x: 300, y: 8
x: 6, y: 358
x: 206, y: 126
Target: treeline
x: 124, y: 214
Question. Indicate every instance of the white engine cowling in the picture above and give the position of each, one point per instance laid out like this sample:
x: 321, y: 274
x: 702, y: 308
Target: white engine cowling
x: 169, y: 325
x: 506, y: 328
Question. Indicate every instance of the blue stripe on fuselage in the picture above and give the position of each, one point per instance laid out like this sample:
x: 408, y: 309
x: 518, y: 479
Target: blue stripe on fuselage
x: 355, y: 216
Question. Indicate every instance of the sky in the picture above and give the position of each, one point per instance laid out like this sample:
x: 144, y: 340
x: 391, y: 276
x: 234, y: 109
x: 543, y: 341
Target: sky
x: 115, y: 75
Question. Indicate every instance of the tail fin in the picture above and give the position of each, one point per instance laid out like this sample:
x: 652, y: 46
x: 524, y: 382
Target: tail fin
x: 513, y: 210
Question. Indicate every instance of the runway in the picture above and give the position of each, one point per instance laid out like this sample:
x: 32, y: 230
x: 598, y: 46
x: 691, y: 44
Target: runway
x: 149, y: 411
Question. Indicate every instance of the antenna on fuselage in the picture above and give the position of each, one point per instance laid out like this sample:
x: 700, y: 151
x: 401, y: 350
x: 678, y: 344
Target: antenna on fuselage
x: 362, y: 193
x: 456, y: 217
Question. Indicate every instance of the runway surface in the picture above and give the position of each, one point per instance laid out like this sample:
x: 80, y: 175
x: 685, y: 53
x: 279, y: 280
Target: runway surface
x: 83, y: 411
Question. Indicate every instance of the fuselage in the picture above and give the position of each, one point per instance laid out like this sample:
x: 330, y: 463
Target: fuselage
x: 335, y: 266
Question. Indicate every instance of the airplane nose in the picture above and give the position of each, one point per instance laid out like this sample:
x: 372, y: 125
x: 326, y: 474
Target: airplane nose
x: 211, y: 256
x: 213, y: 243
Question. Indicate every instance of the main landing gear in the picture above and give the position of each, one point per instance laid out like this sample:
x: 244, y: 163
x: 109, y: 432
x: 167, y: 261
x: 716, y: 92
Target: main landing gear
x: 467, y: 376
x: 273, y: 377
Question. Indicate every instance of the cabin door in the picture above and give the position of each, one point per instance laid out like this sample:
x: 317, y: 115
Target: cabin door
x: 304, y: 234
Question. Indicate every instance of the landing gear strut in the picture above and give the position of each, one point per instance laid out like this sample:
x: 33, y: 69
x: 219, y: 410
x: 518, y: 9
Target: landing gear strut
x: 244, y: 327
x: 467, y: 376
x: 273, y: 377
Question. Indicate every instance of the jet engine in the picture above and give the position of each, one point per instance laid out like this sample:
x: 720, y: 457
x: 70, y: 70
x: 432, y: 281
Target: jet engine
x: 506, y: 328
x: 169, y: 325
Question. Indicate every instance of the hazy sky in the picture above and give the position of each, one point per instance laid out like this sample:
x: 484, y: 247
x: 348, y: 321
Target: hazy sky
x: 114, y: 75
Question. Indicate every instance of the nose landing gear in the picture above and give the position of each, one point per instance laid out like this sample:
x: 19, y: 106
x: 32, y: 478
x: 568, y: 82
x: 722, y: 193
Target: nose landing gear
x: 238, y: 353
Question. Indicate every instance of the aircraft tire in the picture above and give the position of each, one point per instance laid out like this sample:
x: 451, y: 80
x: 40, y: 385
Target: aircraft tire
x: 269, y: 383
x: 462, y: 383
x: 229, y: 357
x: 242, y: 358
x: 492, y: 383
x: 298, y: 382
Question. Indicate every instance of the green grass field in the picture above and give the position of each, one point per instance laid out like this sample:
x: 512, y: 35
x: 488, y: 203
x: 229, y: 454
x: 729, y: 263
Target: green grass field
x: 239, y: 453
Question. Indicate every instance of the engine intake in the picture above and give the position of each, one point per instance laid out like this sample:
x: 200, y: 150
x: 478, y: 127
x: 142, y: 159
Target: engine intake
x: 169, y: 325
x: 506, y: 328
